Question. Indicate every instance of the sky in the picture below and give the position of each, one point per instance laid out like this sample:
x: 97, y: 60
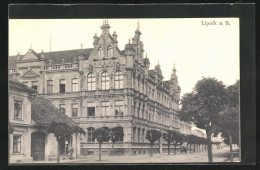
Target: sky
x: 196, y: 49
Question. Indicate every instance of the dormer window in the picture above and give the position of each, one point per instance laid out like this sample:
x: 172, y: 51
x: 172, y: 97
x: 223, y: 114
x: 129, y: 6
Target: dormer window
x: 100, y: 52
x: 109, y: 52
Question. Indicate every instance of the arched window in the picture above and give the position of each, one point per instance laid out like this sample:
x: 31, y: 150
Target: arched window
x: 100, y: 52
x: 119, y: 80
x: 91, y: 81
x: 90, y: 132
x: 109, y: 52
x: 104, y: 81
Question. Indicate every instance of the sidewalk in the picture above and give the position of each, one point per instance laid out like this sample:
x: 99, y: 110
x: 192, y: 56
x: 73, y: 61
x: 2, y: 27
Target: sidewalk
x: 221, y: 155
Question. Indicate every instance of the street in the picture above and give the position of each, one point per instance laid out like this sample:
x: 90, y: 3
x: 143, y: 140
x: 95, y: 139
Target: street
x: 221, y: 155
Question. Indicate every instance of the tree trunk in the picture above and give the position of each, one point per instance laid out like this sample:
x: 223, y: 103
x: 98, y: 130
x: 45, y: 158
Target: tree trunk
x: 99, y: 152
x: 190, y: 147
x: 58, y: 151
x: 151, y: 153
x: 194, y: 147
x: 112, y: 145
x: 175, y: 148
x: 209, y: 148
x: 231, y: 150
x: 168, y: 148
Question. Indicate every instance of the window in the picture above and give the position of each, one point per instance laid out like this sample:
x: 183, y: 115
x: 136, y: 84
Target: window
x: 109, y: 52
x: 134, y: 132
x: 62, y: 86
x: 138, y: 112
x: 62, y: 108
x: 49, y: 86
x: 104, y: 81
x: 134, y: 107
x: 91, y: 81
x: 34, y: 85
x: 90, y: 132
x: 17, y: 109
x: 100, y: 53
x: 74, y: 110
x: 104, y: 108
x: 143, y: 111
x: 138, y: 139
x: 119, y: 80
x: 143, y: 136
x: 119, y: 107
x: 91, y: 111
x: 17, y: 143
x: 121, y: 138
x: 75, y: 85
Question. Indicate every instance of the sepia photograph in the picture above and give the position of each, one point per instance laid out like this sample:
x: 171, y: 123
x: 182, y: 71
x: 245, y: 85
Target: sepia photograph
x: 125, y: 90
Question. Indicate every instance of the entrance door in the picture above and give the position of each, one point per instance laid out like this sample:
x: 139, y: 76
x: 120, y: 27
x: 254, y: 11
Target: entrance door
x: 38, y: 146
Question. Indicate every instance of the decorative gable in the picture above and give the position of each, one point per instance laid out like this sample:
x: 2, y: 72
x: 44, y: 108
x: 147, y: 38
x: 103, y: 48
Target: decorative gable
x: 30, y: 74
x: 105, y: 46
x: 30, y: 55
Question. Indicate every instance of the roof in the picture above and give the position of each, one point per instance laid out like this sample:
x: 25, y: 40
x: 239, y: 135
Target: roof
x: 44, y: 112
x: 129, y: 47
x: 56, y: 56
x: 152, y: 71
x: 15, y: 83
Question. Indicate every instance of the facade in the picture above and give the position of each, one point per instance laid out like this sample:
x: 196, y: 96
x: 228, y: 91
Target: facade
x: 29, y: 116
x: 106, y: 87
x: 185, y: 128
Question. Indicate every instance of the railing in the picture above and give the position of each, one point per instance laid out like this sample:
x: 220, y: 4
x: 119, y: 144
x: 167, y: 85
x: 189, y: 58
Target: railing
x: 102, y: 92
x: 61, y: 67
x: 106, y: 118
x: 141, y: 120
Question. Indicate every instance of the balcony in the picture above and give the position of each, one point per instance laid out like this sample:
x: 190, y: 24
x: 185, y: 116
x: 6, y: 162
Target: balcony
x: 62, y: 95
x: 62, y: 67
x: 150, y: 123
x: 106, y: 118
x: 102, y: 92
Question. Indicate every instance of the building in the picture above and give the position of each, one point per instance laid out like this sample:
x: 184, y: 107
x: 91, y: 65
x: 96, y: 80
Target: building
x: 29, y: 117
x: 185, y: 128
x: 105, y: 87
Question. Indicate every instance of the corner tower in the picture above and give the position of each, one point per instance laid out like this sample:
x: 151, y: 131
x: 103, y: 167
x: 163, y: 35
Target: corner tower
x: 138, y: 44
x: 174, y: 84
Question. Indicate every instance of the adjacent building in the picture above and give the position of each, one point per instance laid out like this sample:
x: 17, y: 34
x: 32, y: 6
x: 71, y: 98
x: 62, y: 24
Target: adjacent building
x: 29, y: 117
x: 104, y: 86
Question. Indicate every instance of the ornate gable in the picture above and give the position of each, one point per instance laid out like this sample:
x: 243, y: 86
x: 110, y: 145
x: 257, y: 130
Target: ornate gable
x: 30, y: 74
x: 30, y: 55
x: 105, y: 46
